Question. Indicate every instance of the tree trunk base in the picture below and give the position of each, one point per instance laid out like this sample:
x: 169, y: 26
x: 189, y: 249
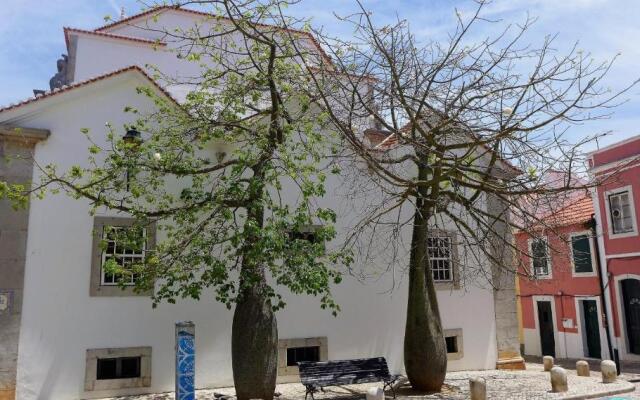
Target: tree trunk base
x: 254, y: 347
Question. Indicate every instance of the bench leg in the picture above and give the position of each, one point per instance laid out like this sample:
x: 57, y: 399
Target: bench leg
x: 389, y: 384
x: 310, y: 391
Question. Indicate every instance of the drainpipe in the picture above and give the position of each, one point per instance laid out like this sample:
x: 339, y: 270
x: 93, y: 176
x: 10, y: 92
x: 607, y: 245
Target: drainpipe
x: 604, y: 297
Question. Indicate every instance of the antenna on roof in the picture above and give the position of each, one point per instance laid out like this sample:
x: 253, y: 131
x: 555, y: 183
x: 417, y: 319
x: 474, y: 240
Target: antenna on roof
x: 122, y: 14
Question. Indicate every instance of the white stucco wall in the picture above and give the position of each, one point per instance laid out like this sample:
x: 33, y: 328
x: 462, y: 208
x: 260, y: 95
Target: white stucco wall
x: 61, y: 321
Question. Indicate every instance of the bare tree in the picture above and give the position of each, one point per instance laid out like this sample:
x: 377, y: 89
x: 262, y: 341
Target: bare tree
x: 462, y: 132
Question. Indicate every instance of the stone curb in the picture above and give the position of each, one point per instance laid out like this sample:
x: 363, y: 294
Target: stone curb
x: 631, y: 387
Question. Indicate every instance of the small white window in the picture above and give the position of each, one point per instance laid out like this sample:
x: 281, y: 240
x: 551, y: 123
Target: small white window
x: 439, y: 251
x: 540, y: 257
x: 620, y: 212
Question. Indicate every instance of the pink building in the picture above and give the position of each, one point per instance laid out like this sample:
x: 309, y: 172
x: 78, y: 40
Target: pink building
x: 560, y: 303
x: 616, y: 206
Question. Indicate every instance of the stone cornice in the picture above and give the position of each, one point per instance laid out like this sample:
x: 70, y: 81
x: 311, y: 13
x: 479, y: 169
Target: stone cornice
x: 25, y: 135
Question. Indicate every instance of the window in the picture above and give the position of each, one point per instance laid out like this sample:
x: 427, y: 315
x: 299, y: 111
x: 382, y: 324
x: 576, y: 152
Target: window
x: 118, y: 368
x: 442, y: 250
x: 453, y: 339
x: 297, y: 354
x: 439, y: 251
x: 620, y: 212
x: 452, y: 344
x: 540, y: 257
x: 581, y: 254
x: 307, y: 233
x: 124, y: 247
x: 118, y: 245
x: 291, y: 351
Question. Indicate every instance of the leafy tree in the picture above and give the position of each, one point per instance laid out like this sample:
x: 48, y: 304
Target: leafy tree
x: 229, y: 177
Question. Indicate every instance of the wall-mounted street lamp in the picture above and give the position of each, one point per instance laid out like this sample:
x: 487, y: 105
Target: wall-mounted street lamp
x: 132, y: 138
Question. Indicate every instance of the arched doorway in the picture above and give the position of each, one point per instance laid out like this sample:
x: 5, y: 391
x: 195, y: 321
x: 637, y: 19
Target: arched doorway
x: 630, y: 289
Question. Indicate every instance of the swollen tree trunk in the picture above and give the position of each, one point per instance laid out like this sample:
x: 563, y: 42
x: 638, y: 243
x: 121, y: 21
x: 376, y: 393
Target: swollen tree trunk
x: 254, y: 345
x: 425, y: 350
x: 254, y: 333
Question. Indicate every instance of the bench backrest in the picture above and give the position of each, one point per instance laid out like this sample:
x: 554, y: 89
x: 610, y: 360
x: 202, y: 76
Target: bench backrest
x: 343, y: 372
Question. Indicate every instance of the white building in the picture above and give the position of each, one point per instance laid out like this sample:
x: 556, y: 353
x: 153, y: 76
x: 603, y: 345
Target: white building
x: 57, y: 316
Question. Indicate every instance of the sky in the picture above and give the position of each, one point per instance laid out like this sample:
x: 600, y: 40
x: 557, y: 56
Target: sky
x: 31, y: 37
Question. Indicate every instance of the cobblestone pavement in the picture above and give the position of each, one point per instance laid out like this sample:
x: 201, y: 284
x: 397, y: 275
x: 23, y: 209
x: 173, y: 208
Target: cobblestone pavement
x: 627, y: 396
x: 532, y: 384
x: 630, y: 372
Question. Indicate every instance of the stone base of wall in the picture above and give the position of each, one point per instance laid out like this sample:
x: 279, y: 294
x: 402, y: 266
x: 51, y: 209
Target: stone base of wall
x: 7, y: 394
x: 511, y: 363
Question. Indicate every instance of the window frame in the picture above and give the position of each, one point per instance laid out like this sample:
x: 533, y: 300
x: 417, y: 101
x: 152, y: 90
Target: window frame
x: 97, y: 287
x: 549, y: 274
x: 284, y: 344
x: 594, y: 269
x: 634, y: 222
x: 454, y: 283
x: 91, y: 383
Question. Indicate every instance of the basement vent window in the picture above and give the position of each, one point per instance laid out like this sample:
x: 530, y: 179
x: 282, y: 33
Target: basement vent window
x: 452, y: 344
x: 293, y: 351
x: 453, y: 339
x: 297, y: 354
x: 118, y: 368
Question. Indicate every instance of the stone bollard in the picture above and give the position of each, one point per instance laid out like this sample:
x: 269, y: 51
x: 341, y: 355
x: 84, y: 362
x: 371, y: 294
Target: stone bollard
x: 478, y: 388
x: 559, y: 380
x: 582, y: 368
x: 547, y: 361
x: 608, y: 370
x: 375, y: 393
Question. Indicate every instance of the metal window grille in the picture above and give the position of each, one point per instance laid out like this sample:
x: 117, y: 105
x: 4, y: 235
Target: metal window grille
x: 439, y: 251
x: 540, y: 257
x: 126, y: 246
x: 620, y: 211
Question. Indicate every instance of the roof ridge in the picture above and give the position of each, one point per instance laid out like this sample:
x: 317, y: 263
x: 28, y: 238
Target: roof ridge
x: 207, y: 14
x: 75, y: 85
x: 67, y: 29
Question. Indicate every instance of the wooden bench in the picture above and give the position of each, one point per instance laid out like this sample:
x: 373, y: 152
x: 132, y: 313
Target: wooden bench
x: 316, y: 375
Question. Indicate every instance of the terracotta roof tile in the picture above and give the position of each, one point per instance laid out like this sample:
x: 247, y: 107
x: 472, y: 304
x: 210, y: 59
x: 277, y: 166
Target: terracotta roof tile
x: 76, y: 85
x: 67, y: 31
x: 578, y: 211
x: 205, y: 14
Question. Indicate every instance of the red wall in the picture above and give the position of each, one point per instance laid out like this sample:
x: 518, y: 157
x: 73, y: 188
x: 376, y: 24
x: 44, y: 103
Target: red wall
x: 622, y: 178
x: 562, y: 285
x: 619, y: 176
